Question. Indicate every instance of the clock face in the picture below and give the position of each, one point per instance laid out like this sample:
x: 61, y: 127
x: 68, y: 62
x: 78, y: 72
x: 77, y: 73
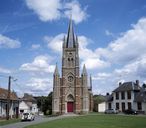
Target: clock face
x: 70, y: 78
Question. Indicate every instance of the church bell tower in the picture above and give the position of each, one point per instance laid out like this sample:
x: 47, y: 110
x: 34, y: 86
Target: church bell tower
x: 70, y: 92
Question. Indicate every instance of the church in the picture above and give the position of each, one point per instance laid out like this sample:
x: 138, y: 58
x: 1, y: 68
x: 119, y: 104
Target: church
x: 72, y: 92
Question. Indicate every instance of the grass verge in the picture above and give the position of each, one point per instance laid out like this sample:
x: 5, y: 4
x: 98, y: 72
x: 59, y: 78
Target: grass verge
x: 96, y: 121
x: 5, y: 122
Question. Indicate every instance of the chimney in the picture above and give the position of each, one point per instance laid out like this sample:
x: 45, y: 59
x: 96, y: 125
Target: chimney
x: 137, y: 82
x: 120, y: 83
x: 107, y: 94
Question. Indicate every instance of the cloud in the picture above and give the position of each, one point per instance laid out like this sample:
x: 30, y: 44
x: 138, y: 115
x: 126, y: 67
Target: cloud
x: 88, y: 56
x: 136, y: 68
x: 121, y: 51
x: 102, y: 76
x: 74, y: 8
x: 49, y: 10
x: 132, y: 71
x: 127, y: 56
x: 6, y: 42
x: 55, y: 43
x: 4, y: 70
x: 83, y: 50
x: 35, y: 46
x: 39, y: 86
x: 126, y: 48
x: 40, y: 64
x: 94, y: 63
x: 108, y: 33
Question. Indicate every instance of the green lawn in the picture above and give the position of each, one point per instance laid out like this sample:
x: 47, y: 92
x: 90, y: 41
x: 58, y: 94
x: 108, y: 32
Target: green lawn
x: 96, y: 121
x: 5, y: 122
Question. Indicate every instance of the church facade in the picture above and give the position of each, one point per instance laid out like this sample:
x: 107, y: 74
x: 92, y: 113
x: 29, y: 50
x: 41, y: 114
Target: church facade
x: 71, y: 92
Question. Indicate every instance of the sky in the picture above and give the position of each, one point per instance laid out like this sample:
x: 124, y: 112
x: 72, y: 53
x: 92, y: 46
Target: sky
x: 111, y: 34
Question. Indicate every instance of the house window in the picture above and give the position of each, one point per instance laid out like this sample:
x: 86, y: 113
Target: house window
x: 123, y: 106
x: 122, y: 95
x: 117, y: 106
x: 139, y: 106
x: 117, y: 95
x: 129, y: 105
x: 129, y: 95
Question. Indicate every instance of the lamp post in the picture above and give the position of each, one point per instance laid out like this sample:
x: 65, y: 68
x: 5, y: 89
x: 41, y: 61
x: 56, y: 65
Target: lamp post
x: 8, y: 97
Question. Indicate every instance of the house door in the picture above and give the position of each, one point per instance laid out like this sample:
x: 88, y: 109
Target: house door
x: 69, y: 106
x: 17, y: 112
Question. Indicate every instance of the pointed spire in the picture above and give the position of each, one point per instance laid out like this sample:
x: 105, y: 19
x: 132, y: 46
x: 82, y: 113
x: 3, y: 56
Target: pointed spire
x: 76, y: 38
x: 70, y: 36
x: 84, y: 70
x: 90, y: 82
x: 64, y: 41
x: 77, y: 41
x: 56, y: 73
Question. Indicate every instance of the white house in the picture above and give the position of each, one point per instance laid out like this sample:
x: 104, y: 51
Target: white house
x: 129, y: 95
x: 14, y: 104
x: 28, y: 104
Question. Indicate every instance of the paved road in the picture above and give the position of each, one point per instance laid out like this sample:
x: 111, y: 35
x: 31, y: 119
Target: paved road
x: 38, y: 119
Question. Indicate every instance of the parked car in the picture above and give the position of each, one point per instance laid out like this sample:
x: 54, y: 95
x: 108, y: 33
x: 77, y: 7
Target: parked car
x: 111, y: 111
x: 130, y: 111
x: 27, y: 116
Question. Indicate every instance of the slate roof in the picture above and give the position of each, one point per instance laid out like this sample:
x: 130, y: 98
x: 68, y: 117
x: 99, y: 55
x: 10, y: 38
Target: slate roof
x: 29, y: 104
x: 128, y: 86
x: 70, y: 36
x: 109, y: 98
x: 141, y: 96
x: 28, y: 97
x: 4, y: 94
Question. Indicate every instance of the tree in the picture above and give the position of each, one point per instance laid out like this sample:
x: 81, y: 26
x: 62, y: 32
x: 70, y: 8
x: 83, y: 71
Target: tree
x: 45, y: 104
x: 96, y: 100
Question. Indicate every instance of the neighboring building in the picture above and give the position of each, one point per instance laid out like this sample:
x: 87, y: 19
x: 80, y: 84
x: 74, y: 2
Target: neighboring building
x: 102, y: 107
x: 14, y: 104
x: 109, y: 101
x: 71, y: 92
x: 140, y: 100
x: 28, y: 104
x: 129, y: 95
x: 99, y: 103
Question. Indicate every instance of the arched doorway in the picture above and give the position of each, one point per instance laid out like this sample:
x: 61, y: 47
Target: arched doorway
x: 70, y: 103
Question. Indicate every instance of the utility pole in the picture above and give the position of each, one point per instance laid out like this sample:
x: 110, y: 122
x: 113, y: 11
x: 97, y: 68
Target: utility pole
x: 8, y: 98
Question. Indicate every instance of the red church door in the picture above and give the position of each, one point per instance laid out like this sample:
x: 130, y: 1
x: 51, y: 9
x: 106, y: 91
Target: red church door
x: 69, y: 106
